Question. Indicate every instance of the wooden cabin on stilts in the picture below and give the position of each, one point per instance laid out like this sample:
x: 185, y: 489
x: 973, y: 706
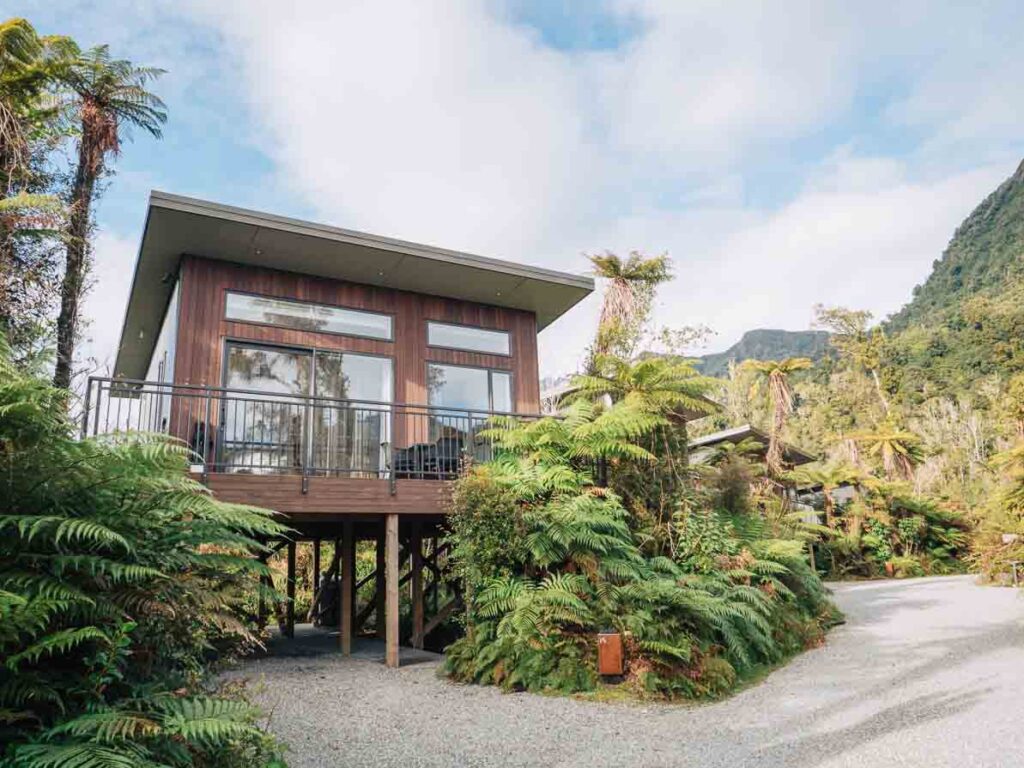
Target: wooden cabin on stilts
x: 337, y: 377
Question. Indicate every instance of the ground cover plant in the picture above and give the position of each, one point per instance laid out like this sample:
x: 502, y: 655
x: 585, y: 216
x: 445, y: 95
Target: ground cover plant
x: 121, y: 582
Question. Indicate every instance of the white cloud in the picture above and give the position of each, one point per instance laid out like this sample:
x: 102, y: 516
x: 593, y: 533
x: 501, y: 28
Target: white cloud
x: 104, y: 306
x: 861, y: 245
x: 707, y: 79
x: 441, y: 121
x: 430, y: 120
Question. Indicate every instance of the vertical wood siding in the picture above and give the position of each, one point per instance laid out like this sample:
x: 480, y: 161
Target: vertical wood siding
x: 202, y: 328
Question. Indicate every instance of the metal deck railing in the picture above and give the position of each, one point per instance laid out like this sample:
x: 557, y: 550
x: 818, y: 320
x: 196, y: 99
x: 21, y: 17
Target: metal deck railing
x: 256, y: 432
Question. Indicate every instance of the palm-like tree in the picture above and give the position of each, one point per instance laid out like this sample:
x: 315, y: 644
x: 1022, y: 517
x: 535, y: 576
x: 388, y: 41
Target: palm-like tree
x: 830, y: 478
x: 670, y: 388
x: 665, y: 385
x: 627, y: 300
x: 1011, y: 464
x: 898, y: 449
x: 29, y: 67
x: 584, y: 435
x: 773, y: 376
x: 19, y: 50
x: 110, y: 96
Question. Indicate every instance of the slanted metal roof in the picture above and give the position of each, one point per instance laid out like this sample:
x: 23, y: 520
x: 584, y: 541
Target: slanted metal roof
x: 790, y: 453
x: 178, y: 226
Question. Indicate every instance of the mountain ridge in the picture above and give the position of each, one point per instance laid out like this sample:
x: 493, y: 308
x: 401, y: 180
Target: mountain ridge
x: 766, y: 344
x: 986, y: 250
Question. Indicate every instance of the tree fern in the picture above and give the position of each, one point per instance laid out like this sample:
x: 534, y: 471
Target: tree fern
x: 713, y: 598
x: 120, y: 577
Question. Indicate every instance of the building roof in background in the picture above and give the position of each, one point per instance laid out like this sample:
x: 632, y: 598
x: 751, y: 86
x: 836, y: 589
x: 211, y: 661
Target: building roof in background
x: 791, y: 454
x: 178, y: 226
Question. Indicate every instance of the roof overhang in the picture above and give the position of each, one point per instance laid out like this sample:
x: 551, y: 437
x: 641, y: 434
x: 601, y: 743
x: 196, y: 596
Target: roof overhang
x: 790, y: 453
x: 178, y: 226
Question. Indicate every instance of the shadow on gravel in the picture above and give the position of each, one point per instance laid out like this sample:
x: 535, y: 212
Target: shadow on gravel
x: 876, y: 604
x: 820, y: 747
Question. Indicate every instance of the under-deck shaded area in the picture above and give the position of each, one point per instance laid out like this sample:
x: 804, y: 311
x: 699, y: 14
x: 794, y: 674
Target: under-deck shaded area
x: 401, y: 602
x: 309, y: 641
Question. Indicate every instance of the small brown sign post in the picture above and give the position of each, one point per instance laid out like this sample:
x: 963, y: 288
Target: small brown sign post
x: 609, y: 653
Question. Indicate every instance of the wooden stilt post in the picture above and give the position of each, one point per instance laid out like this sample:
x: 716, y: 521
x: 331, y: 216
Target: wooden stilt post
x: 261, y: 605
x: 436, y: 583
x: 380, y: 583
x: 391, y: 609
x: 290, y: 609
x: 316, y: 566
x: 348, y: 580
x: 417, y: 584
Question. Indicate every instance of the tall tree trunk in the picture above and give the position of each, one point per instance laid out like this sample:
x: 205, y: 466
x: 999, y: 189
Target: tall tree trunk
x: 878, y: 389
x: 8, y: 170
x: 774, y: 457
x: 6, y: 277
x: 76, y: 263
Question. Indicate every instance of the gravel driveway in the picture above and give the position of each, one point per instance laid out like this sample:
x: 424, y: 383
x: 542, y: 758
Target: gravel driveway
x: 927, y: 672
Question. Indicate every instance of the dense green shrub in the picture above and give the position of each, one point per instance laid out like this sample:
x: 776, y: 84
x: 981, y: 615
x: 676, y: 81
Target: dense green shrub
x: 887, y: 527
x: 549, y: 559
x: 120, y: 581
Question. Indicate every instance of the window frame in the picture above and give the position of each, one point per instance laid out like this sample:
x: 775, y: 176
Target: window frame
x: 390, y: 315
x: 490, y: 387
x: 312, y: 351
x: 508, y: 335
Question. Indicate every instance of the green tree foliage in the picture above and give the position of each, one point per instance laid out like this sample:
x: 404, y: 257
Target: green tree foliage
x: 984, y: 249
x: 896, y: 448
x: 773, y: 377
x: 31, y: 214
x: 120, y: 579
x: 577, y: 566
x: 665, y: 385
x: 110, y: 97
x: 628, y: 297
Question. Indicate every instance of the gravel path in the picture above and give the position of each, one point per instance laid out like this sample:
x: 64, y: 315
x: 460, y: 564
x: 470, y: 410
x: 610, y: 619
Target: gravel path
x: 927, y: 672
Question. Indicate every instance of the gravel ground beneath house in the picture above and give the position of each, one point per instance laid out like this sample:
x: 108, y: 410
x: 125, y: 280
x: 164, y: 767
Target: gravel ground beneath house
x: 927, y: 672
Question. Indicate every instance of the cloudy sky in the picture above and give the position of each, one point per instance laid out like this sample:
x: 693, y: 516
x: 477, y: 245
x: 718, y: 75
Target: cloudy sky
x: 783, y: 154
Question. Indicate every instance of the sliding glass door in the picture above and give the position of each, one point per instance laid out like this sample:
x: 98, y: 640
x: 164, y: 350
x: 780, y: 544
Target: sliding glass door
x: 352, y: 429
x: 321, y: 412
x: 263, y: 410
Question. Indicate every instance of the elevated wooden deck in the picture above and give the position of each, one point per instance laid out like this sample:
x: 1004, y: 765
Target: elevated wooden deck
x: 323, y: 498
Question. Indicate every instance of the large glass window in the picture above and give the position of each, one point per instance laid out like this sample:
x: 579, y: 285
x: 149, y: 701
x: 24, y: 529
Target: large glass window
x: 277, y: 426
x: 452, y: 386
x: 459, y: 398
x: 302, y: 316
x: 352, y: 437
x: 263, y: 427
x: 468, y: 338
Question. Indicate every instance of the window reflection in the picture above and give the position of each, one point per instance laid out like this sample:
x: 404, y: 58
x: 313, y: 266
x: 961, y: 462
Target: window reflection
x: 469, y: 338
x: 352, y: 437
x: 460, y: 398
x: 262, y: 429
x: 302, y: 316
x: 277, y: 426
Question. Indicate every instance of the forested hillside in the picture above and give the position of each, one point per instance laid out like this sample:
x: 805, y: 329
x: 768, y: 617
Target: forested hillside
x: 930, y: 403
x: 985, y: 250
x: 965, y: 324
